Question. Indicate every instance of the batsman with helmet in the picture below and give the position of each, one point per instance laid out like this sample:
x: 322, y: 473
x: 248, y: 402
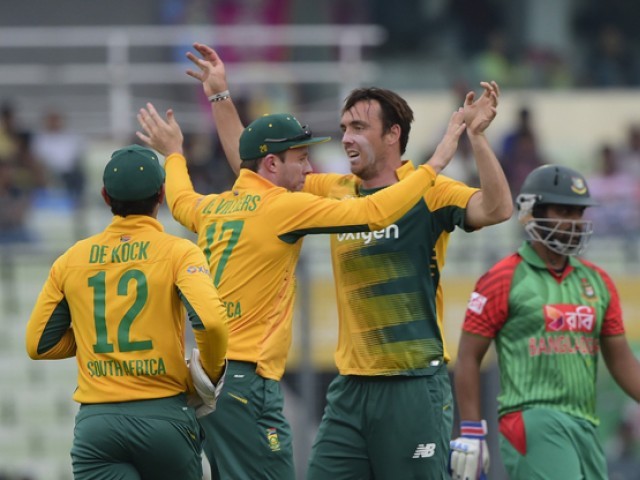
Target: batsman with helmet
x: 550, y: 313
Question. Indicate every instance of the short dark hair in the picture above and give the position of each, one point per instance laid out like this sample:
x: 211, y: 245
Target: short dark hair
x: 134, y: 207
x: 394, y: 110
x: 254, y: 163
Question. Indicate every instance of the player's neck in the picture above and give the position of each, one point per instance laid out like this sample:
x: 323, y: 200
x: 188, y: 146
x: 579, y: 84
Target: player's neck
x: 385, y: 177
x: 554, y: 261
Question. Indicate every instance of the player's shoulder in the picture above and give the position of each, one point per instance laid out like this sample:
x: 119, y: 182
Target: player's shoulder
x: 176, y: 243
x: 331, y: 177
x: 444, y: 181
x: 505, y: 266
x: 80, y: 246
x: 499, y: 278
x: 448, y: 192
x: 335, y: 179
x: 586, y: 264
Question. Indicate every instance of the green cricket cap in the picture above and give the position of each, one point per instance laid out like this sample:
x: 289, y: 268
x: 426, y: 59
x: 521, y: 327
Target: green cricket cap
x: 275, y: 133
x: 133, y: 173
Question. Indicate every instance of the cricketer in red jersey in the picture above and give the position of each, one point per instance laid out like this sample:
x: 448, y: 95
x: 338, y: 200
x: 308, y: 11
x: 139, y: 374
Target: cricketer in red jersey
x: 550, y: 313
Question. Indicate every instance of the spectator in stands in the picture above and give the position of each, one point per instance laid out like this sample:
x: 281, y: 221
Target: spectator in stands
x: 494, y: 61
x: 629, y: 155
x: 20, y: 176
x: 473, y: 22
x: 520, y: 153
x: 618, y: 194
x: 612, y: 62
x: 208, y: 168
x: 15, y: 149
x: 15, y: 203
x: 61, y: 151
x: 523, y: 125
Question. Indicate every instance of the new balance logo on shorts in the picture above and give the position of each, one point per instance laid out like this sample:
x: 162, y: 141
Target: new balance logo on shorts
x: 425, y: 450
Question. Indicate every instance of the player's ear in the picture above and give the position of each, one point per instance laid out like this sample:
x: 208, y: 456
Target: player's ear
x: 106, y: 198
x: 161, y: 195
x: 393, y: 135
x: 269, y: 163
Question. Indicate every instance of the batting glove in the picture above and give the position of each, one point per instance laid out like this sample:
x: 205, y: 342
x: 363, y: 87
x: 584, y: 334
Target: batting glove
x: 195, y: 402
x: 469, y: 458
x: 207, y: 392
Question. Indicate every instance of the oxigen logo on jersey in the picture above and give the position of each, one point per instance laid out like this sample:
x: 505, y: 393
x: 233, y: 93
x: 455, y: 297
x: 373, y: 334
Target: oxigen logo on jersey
x: 392, y: 231
x: 569, y: 318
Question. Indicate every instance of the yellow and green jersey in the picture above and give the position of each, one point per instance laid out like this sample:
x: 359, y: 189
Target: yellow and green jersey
x: 390, y: 303
x: 251, y: 238
x: 116, y: 301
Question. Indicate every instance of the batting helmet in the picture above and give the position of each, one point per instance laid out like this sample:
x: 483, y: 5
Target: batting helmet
x: 555, y: 185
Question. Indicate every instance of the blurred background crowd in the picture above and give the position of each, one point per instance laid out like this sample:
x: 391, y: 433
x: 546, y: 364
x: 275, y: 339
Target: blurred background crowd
x: 73, y: 75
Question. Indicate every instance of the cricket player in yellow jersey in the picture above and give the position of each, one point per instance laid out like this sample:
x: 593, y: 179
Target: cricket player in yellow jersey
x: 252, y: 238
x: 389, y: 413
x: 116, y: 301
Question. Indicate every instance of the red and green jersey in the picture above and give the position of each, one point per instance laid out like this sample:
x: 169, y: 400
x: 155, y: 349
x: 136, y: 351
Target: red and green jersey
x: 390, y: 300
x: 547, y: 329
x: 116, y: 301
x: 251, y: 237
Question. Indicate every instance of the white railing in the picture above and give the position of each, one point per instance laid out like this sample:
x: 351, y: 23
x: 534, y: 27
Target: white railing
x: 118, y: 73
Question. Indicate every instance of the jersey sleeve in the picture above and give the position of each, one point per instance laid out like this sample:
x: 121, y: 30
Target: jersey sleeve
x: 303, y: 213
x: 612, y: 323
x: 321, y: 183
x: 204, y: 307
x: 182, y: 199
x: 49, y: 333
x: 448, y: 201
x: 488, y: 306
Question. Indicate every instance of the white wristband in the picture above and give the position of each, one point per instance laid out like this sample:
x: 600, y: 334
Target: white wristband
x: 218, y: 97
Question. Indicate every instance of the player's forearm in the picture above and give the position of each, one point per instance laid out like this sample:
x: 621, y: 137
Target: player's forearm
x: 229, y: 128
x: 467, y: 388
x: 622, y: 364
x: 181, y: 197
x: 496, y: 203
x: 212, y: 344
x: 64, y: 348
x: 389, y: 204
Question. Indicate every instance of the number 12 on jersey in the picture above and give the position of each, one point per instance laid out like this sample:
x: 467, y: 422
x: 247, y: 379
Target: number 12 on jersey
x: 99, y: 284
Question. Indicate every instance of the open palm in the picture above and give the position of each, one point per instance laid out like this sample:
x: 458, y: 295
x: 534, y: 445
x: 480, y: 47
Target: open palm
x: 479, y: 114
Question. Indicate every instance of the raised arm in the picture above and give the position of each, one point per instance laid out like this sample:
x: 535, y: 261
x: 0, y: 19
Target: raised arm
x: 492, y: 204
x: 211, y: 73
x: 165, y: 136
x: 313, y: 214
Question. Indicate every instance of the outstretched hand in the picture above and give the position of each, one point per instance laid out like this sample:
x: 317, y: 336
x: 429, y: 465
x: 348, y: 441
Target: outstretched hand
x: 162, y: 135
x: 447, y: 147
x: 479, y: 114
x: 210, y: 71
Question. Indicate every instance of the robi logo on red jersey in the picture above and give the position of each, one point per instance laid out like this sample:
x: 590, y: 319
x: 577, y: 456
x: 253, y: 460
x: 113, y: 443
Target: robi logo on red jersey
x: 569, y: 318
